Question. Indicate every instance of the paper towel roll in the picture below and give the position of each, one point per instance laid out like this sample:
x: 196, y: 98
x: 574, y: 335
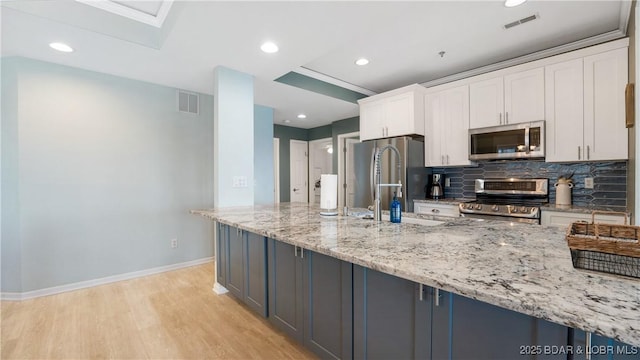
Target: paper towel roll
x: 329, y: 194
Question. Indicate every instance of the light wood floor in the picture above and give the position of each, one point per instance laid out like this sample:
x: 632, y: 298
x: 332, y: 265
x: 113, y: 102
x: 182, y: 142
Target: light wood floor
x: 173, y: 315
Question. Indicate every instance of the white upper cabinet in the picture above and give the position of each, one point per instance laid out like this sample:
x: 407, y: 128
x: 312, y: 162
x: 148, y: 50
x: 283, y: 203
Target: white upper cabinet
x: 394, y: 113
x: 585, y: 108
x: 564, y: 111
x: 514, y: 98
x: 605, y: 79
x: 447, y: 127
x: 486, y: 103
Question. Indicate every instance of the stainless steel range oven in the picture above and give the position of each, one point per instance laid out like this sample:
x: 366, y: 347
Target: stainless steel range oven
x: 509, y: 199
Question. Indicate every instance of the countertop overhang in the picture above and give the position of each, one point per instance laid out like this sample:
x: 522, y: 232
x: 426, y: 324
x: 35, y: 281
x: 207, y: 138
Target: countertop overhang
x: 521, y: 267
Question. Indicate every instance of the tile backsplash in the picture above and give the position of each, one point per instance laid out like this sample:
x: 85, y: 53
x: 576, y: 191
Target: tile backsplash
x: 610, y: 179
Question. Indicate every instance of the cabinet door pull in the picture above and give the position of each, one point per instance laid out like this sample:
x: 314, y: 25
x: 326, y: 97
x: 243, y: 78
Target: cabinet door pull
x: 295, y: 251
x: 435, y: 211
x: 500, y: 118
x: 588, y: 153
x: 421, y: 293
x: 447, y: 159
x: 301, y: 253
x: 587, y: 343
x: 437, y: 296
x: 578, y: 152
x: 506, y: 117
x: 442, y: 159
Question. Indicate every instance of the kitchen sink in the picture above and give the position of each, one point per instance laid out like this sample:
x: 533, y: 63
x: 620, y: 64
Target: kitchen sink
x: 418, y: 221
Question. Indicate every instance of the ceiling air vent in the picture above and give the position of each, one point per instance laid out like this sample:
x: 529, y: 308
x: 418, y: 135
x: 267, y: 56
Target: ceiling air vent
x: 521, y: 21
x: 188, y: 102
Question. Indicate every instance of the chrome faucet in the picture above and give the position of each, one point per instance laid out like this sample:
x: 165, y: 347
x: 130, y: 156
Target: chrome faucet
x: 377, y: 211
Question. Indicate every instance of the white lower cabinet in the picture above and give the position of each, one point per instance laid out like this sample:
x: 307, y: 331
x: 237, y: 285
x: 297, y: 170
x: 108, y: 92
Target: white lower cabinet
x: 450, y: 210
x: 562, y: 218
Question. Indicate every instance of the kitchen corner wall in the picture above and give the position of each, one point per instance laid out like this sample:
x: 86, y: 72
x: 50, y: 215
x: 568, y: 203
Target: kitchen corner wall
x: 98, y: 175
x: 610, y: 179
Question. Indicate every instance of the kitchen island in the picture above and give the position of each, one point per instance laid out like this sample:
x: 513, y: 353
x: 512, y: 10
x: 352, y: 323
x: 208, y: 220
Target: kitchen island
x: 520, y: 267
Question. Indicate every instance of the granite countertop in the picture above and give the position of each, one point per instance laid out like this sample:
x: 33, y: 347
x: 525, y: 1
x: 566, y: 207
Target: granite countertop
x: 577, y: 209
x: 525, y: 268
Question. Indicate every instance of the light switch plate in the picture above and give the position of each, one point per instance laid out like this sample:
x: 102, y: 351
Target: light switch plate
x: 588, y: 183
x: 447, y: 182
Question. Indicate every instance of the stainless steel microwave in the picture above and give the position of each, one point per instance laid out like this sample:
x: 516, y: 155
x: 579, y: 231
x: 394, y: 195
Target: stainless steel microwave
x: 513, y: 141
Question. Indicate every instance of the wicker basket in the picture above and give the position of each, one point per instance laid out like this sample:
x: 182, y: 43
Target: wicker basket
x: 609, y: 248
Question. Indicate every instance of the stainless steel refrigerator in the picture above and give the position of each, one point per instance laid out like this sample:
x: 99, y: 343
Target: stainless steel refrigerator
x: 414, y: 175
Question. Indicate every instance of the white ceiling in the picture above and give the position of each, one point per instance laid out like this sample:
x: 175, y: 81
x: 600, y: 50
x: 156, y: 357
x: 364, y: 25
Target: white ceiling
x: 401, y: 39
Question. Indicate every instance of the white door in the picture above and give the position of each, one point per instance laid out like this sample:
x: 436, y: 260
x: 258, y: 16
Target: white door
x: 399, y: 115
x: 372, y: 120
x: 455, y: 136
x: 320, y: 162
x: 524, y: 96
x: 605, y: 133
x: 349, y: 187
x: 486, y: 103
x: 299, y: 169
x: 435, y: 119
x: 276, y: 170
x: 564, y: 111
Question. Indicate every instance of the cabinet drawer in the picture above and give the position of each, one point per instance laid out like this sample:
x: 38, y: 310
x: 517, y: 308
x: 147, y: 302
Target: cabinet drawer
x: 450, y: 210
x: 560, y: 218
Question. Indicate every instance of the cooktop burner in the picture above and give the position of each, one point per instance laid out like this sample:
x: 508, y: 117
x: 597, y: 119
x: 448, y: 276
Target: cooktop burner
x: 508, y: 199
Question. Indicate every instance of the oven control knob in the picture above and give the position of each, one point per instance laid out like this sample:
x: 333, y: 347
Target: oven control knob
x: 514, y: 210
x: 478, y: 207
x: 523, y: 209
x: 495, y: 208
x: 470, y: 206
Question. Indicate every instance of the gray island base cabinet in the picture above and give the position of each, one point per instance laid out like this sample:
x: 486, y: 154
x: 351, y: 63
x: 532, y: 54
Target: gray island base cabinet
x: 390, y: 318
x: 310, y: 299
x: 602, y: 348
x: 341, y: 311
x: 241, y: 266
x: 399, y: 319
x: 464, y: 328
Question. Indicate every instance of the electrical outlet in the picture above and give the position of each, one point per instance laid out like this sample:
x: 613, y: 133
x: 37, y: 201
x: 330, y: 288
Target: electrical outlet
x: 174, y: 243
x: 447, y: 182
x: 588, y: 183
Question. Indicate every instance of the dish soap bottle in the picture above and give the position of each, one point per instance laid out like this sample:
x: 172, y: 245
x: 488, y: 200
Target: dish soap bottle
x: 396, y: 210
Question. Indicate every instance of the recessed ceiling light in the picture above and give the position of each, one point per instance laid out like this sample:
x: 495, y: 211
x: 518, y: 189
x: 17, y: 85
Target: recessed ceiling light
x: 269, y: 47
x: 287, y: 121
x: 362, y: 61
x: 302, y: 116
x: 512, y: 3
x: 61, y: 47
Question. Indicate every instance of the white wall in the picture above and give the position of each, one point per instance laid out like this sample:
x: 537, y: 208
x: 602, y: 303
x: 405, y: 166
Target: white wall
x: 105, y: 170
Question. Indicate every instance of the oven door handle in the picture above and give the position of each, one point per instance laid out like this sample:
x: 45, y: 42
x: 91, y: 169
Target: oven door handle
x: 526, y: 139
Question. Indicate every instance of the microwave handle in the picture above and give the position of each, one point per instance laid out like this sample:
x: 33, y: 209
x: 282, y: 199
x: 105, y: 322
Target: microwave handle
x: 526, y: 139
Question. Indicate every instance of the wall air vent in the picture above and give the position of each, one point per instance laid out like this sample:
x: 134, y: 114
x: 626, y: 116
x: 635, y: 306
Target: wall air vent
x: 521, y: 21
x: 188, y: 102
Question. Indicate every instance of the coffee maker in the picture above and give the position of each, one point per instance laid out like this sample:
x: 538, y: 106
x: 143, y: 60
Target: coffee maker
x: 436, y: 187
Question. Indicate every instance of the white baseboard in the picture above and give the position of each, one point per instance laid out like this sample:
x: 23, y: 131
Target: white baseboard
x: 13, y: 296
x: 219, y: 289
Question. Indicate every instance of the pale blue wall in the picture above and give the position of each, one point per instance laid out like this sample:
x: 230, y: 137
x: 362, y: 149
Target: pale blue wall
x: 10, y: 243
x: 99, y: 176
x: 263, y: 155
x: 233, y: 128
